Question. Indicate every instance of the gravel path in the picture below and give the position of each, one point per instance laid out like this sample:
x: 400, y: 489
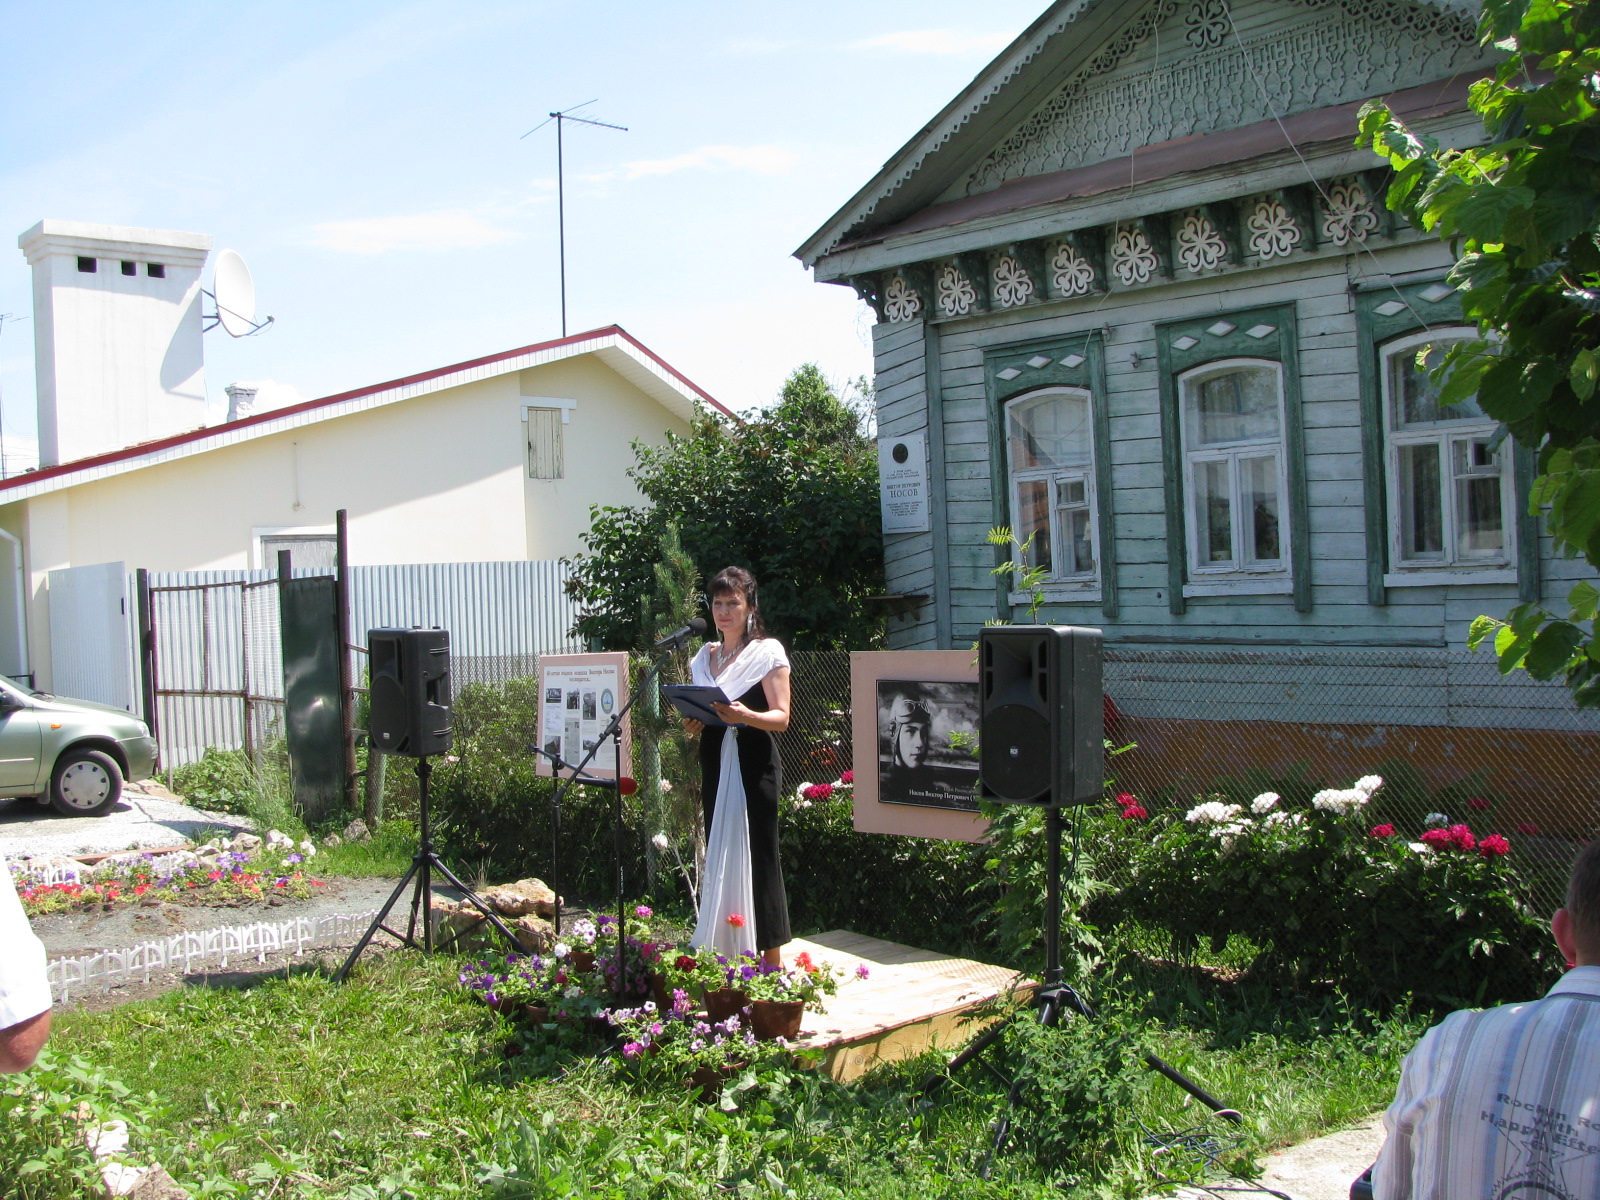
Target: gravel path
x: 147, y: 817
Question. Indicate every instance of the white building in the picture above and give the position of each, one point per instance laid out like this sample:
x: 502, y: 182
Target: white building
x: 499, y: 458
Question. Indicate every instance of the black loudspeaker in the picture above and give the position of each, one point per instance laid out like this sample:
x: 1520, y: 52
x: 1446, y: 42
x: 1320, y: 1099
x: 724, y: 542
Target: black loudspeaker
x: 1042, y: 719
x: 410, y: 696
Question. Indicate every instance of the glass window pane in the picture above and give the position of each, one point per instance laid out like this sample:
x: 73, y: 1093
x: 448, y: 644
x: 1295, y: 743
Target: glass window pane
x: 1421, y: 515
x: 1480, y: 526
x: 1240, y: 404
x: 1033, y: 518
x: 1072, y: 523
x: 1049, y: 431
x: 1416, y: 397
x: 1212, y: 513
x: 1259, y: 484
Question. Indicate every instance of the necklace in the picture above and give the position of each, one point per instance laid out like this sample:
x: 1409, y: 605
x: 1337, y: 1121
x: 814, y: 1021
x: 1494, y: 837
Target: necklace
x: 721, y: 656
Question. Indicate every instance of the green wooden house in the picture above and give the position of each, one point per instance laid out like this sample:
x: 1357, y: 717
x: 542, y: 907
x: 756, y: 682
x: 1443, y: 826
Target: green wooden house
x: 1137, y: 288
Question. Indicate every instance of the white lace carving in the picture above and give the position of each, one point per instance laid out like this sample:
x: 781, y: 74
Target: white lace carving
x: 1011, y: 283
x: 1072, y: 274
x: 1348, y: 213
x: 1200, y: 246
x: 1273, y: 231
x: 1133, y: 260
x: 900, y: 301
x: 957, y: 296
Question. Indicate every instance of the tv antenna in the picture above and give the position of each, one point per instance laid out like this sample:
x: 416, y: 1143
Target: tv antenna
x: 233, y: 298
x: 561, y: 118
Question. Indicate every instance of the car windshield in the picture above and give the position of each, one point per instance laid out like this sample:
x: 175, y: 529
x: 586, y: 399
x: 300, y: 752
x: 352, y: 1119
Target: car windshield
x: 20, y: 686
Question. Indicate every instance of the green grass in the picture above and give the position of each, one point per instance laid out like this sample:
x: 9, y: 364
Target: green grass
x: 397, y: 1084
x: 387, y: 853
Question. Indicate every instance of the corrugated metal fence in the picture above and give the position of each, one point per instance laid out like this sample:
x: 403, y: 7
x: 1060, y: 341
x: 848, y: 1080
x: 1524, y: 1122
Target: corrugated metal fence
x: 219, y: 668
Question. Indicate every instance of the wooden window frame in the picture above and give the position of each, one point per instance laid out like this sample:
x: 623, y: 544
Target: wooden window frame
x: 1412, y: 312
x: 1183, y: 347
x: 1009, y: 374
x: 1052, y: 477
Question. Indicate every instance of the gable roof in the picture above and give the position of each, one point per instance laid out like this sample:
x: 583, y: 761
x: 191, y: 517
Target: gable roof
x: 1014, y: 85
x: 612, y: 345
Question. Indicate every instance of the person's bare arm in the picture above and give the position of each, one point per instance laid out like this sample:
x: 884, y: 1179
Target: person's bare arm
x: 20, y: 1043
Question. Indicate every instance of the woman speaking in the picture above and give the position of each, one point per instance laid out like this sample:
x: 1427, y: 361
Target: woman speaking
x: 742, y: 903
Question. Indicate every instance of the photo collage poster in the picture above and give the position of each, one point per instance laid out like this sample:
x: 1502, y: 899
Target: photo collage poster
x: 577, y: 702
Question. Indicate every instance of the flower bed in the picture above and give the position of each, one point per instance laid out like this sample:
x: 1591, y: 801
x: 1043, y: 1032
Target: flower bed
x: 215, y: 876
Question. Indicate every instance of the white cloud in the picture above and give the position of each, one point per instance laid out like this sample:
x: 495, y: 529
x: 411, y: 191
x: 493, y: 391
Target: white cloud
x: 763, y: 160
x: 424, y: 231
x: 936, y: 41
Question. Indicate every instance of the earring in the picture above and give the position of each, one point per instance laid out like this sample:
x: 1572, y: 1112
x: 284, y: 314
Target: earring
x: 749, y: 623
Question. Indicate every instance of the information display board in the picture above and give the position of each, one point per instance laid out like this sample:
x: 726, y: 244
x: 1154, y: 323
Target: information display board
x: 578, y: 696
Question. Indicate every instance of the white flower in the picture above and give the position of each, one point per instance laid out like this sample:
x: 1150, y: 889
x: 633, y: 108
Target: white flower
x: 307, y: 849
x: 1265, y: 802
x: 1337, y: 800
x: 1435, y: 820
x: 1369, y: 783
x: 660, y: 842
x: 573, y: 992
x: 1420, y: 847
x: 648, y: 1007
x: 562, y: 950
x: 1212, y: 812
x: 666, y: 785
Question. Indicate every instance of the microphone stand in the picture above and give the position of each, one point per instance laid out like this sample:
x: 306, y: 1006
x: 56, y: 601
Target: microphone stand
x: 613, y: 730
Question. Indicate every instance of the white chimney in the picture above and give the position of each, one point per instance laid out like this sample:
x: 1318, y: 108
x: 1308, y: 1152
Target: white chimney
x: 241, y: 400
x: 117, y: 342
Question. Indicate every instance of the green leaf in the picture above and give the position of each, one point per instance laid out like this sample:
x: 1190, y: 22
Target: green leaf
x: 1585, y: 601
x: 1552, y: 649
x: 1482, y: 627
x: 1584, y: 373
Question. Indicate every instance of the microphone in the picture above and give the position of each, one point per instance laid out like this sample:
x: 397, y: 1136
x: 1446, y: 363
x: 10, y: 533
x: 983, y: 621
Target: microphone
x: 695, y: 628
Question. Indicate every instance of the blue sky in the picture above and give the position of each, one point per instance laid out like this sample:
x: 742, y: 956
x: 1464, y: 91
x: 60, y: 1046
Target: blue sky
x: 365, y: 159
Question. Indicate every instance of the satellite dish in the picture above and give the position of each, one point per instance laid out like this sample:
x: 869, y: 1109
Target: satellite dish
x: 235, y: 295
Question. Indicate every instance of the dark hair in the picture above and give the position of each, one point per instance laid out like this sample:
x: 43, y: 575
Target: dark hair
x: 738, y: 581
x: 1583, y: 898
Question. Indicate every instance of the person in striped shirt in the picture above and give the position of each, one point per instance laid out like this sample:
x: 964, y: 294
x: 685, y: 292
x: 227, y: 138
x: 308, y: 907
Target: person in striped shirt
x: 1504, y: 1103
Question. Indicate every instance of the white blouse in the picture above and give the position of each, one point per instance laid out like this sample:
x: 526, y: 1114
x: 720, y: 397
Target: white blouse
x: 754, y: 662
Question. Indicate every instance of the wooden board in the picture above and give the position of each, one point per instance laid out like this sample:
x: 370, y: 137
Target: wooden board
x: 912, y: 1001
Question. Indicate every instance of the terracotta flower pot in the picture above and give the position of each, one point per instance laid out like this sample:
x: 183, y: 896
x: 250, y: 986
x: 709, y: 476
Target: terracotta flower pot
x: 709, y: 1080
x: 773, y: 1019
x: 659, y: 992
x: 502, y: 1004
x: 724, y: 1002
x: 581, y: 960
x: 537, y: 1013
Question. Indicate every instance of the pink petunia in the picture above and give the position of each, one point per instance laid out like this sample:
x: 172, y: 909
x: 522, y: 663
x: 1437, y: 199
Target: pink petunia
x: 848, y: 777
x: 736, y: 920
x: 861, y: 971
x: 643, y: 910
x: 1382, y: 831
x: 1494, y: 846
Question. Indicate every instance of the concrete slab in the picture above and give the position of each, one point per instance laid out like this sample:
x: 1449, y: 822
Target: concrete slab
x: 147, y: 817
x: 1321, y: 1169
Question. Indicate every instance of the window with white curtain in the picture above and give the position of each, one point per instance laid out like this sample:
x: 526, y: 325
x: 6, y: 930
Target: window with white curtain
x: 1235, y: 470
x: 1449, y: 485
x: 1050, y: 459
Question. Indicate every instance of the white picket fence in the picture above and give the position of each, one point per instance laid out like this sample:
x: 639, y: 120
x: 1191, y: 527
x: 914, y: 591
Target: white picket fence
x: 203, y: 948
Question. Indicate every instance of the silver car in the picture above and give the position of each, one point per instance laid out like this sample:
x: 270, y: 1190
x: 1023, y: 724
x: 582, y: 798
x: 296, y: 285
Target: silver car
x: 75, y: 754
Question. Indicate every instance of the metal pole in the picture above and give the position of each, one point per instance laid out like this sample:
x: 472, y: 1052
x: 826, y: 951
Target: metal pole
x: 561, y: 221
x: 341, y: 605
x: 147, y: 654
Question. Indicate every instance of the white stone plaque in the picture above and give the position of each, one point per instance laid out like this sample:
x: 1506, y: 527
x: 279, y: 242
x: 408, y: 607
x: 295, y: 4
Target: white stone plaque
x: 903, y: 483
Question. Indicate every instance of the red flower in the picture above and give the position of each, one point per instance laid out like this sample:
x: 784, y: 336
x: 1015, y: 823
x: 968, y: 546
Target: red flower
x: 803, y: 961
x: 684, y: 963
x: 1479, y: 804
x: 1494, y: 846
x: 140, y: 889
x: 1134, y: 812
x: 1461, y: 838
x: 1528, y: 829
x: 1126, y: 799
x: 818, y: 791
x: 736, y: 920
x: 848, y: 777
x: 1381, y: 831
x: 1437, y: 838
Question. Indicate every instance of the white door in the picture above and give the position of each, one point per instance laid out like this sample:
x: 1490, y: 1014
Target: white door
x: 91, y: 634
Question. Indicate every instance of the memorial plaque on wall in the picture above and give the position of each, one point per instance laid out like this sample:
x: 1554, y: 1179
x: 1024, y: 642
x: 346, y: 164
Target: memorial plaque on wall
x: 903, y: 483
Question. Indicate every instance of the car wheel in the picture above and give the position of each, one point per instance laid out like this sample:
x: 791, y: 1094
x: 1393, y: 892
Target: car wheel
x: 86, y: 783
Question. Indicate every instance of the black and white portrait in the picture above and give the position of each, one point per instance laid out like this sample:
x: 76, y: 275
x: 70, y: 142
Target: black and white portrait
x: 927, y: 744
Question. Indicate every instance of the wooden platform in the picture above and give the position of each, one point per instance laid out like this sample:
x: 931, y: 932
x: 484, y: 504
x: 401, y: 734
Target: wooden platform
x: 911, y: 1001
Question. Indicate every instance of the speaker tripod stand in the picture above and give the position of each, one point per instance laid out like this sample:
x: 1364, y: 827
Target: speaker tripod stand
x: 1052, y: 999
x: 423, y: 863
